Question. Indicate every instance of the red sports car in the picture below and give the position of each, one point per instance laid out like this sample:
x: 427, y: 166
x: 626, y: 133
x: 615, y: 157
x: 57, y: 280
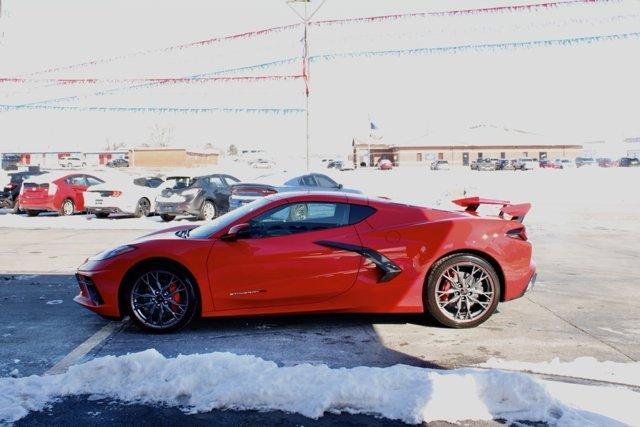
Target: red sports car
x: 317, y: 252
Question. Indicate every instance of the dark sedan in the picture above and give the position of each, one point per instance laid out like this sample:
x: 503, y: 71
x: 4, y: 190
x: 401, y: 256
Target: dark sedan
x: 205, y: 197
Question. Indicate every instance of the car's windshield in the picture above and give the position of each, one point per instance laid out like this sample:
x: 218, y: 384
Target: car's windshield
x: 227, y: 219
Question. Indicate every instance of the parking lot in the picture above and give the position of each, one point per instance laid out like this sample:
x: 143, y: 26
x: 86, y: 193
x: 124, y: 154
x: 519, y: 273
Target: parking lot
x: 586, y: 303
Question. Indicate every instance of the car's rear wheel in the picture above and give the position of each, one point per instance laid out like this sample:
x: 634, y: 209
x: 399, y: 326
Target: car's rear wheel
x: 162, y: 300
x: 208, y: 211
x: 67, y: 208
x: 31, y: 212
x: 167, y: 217
x: 462, y: 291
x: 143, y: 208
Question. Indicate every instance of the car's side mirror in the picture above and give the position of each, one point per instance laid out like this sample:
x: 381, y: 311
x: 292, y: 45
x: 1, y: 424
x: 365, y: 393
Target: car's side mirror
x: 236, y: 232
x: 340, y: 186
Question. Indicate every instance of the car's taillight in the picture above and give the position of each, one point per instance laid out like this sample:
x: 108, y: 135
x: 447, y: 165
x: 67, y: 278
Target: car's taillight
x: 115, y: 193
x: 518, y: 233
x: 52, y: 188
x: 253, y: 190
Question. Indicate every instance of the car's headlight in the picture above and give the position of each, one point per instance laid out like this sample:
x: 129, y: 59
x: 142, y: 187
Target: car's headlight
x: 112, y: 252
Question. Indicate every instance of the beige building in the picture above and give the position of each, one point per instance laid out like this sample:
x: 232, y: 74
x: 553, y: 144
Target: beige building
x: 171, y: 157
x: 474, y: 143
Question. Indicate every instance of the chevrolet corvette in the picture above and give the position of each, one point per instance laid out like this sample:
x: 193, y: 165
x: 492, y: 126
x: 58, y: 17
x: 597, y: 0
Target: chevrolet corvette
x: 311, y: 252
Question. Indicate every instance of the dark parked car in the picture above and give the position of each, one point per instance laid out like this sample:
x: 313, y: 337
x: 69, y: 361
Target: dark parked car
x: 605, y: 162
x: 205, y: 197
x: 585, y: 161
x: 11, y: 190
x: 502, y: 164
x: 10, y: 162
x: 626, y: 162
x: 118, y: 163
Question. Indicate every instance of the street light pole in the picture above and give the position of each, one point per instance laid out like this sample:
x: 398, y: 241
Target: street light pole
x: 305, y: 63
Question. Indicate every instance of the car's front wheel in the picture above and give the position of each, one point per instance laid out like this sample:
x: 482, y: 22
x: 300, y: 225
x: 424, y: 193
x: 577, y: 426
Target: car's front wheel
x: 162, y: 300
x: 462, y: 291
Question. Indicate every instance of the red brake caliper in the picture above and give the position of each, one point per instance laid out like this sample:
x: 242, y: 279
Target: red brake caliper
x: 445, y: 288
x: 175, y: 297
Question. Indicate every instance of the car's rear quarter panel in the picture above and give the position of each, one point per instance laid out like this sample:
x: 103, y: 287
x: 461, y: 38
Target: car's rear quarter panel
x: 416, y: 238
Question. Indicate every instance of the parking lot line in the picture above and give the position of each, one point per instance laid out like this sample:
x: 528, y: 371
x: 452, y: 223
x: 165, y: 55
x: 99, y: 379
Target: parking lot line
x: 80, y: 351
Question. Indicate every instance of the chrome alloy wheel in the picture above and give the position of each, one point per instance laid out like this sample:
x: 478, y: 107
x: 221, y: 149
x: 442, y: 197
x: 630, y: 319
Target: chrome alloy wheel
x: 208, y: 211
x: 465, y: 291
x: 159, y: 299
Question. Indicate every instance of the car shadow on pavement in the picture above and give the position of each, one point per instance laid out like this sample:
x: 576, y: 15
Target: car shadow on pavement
x: 337, y: 340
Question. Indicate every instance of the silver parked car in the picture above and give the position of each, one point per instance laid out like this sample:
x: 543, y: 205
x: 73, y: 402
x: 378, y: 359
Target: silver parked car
x: 264, y: 185
x: 440, y: 165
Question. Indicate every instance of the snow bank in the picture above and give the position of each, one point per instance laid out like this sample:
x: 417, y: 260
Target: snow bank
x: 582, y: 367
x: 202, y: 382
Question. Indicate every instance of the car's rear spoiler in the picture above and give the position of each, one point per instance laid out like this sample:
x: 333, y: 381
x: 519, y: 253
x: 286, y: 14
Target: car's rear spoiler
x: 517, y: 212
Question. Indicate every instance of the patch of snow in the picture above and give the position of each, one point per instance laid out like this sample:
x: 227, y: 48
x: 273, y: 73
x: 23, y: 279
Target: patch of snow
x: 203, y: 382
x: 582, y: 367
x: 54, y: 302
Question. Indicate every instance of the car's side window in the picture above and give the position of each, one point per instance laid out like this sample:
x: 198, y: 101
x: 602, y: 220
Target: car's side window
x: 76, y: 180
x: 308, y: 181
x: 325, y: 181
x: 231, y: 179
x: 299, y: 218
x: 216, y: 182
x: 93, y: 181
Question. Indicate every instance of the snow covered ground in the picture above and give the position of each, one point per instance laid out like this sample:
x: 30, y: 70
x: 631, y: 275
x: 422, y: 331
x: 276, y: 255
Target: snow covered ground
x: 573, y: 198
x: 202, y: 382
x: 582, y: 367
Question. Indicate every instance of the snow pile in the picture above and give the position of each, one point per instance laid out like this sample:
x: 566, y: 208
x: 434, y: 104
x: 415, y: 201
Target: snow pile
x: 582, y: 367
x: 202, y: 382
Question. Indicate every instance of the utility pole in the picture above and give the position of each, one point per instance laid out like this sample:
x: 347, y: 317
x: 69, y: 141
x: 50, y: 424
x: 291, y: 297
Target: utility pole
x: 305, y: 61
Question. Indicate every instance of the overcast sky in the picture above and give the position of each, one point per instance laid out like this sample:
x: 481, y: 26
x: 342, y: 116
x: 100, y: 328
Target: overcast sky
x: 573, y: 92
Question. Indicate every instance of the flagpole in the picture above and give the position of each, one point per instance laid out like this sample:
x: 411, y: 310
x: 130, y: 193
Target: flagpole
x: 305, y: 65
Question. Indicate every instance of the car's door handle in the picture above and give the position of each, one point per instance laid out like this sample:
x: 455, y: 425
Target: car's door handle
x: 388, y: 268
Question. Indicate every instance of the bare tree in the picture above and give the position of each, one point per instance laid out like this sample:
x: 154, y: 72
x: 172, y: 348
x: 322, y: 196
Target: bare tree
x: 160, y: 136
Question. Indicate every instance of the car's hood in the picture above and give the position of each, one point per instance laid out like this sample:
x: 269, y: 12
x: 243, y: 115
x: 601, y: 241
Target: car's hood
x: 164, y: 234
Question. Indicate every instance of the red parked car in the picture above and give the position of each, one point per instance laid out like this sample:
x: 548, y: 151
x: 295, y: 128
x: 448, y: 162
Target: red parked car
x: 385, y: 165
x: 56, y: 192
x: 317, y: 252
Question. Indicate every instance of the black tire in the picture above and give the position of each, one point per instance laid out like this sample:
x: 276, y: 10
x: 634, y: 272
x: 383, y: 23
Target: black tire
x: 31, y: 212
x: 148, y: 312
x: 167, y: 217
x: 101, y: 214
x: 436, y: 280
x: 143, y: 208
x: 208, y: 211
x: 67, y: 208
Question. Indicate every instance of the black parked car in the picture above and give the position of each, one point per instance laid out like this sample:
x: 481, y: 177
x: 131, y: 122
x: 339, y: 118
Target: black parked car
x: 11, y: 190
x: 118, y: 163
x: 10, y: 161
x: 205, y: 197
x: 626, y: 162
